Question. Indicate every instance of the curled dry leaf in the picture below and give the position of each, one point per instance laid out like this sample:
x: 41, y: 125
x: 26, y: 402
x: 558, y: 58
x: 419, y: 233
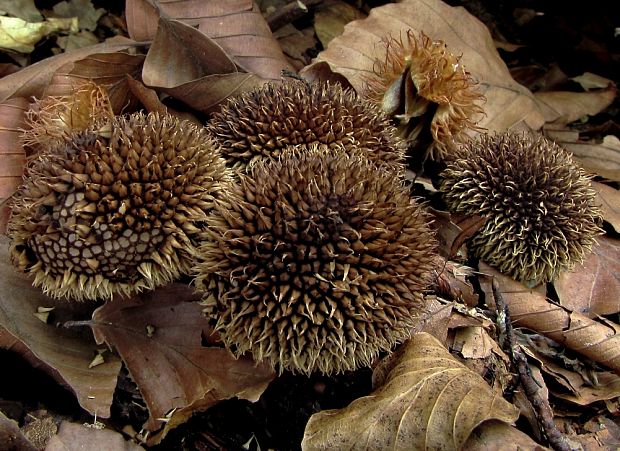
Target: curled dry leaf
x: 354, y: 52
x: 74, y: 437
x: 237, y: 26
x: 61, y: 352
x: 192, y: 67
x: 579, y: 386
x: 158, y: 335
x: 563, y: 107
x: 597, y: 340
x: 429, y: 400
x: 593, y: 288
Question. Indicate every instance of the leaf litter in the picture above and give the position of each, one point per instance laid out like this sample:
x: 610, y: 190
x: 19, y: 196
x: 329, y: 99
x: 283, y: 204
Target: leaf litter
x: 188, y: 58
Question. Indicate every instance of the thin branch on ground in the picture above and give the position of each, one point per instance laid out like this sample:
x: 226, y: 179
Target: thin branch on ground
x: 541, y: 406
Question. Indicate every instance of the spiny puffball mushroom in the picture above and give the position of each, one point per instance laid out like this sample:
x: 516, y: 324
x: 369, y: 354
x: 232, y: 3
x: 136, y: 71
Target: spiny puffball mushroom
x: 318, y: 261
x: 261, y: 123
x: 425, y: 88
x: 117, y: 208
x: 540, y: 206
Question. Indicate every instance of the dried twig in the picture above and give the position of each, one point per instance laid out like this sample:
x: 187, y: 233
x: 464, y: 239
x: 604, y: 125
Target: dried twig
x: 289, y: 12
x: 541, y: 406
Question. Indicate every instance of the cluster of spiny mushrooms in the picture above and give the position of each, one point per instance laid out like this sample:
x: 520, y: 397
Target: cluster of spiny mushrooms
x: 291, y: 212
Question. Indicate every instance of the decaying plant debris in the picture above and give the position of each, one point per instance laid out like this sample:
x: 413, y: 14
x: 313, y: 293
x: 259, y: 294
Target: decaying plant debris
x: 267, y: 259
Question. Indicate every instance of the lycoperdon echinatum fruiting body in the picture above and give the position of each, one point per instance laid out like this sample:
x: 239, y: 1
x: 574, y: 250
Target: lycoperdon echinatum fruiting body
x: 540, y: 206
x: 427, y: 91
x: 117, y: 207
x: 317, y: 261
x: 261, y: 123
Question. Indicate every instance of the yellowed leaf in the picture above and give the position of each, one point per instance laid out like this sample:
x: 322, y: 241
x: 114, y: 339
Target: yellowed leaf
x: 21, y: 36
x: 429, y: 400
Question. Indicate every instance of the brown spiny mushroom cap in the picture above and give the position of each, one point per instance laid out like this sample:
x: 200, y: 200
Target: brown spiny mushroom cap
x: 261, y: 123
x: 320, y: 259
x: 425, y: 88
x: 540, y: 206
x: 117, y: 208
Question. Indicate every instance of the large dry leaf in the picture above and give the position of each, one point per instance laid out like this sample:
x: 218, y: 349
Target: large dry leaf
x: 429, y: 400
x: 76, y: 437
x: 158, y: 335
x: 236, y: 25
x: 593, y: 288
x: 601, y: 158
x: 353, y: 53
x: 32, y: 81
x: 191, y: 67
x: 62, y: 353
x: 563, y: 107
x: 597, y: 340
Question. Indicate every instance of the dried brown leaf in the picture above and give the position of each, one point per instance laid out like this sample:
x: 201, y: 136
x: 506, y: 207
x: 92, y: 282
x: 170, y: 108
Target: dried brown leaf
x: 237, y: 26
x: 429, y: 401
x: 32, y: 80
x: 331, y: 17
x: 452, y: 283
x: 105, y: 69
x: 11, y: 438
x: 180, y: 54
x: 609, y: 200
x: 353, y: 54
x: 158, y: 335
x: 497, y: 436
x: 62, y: 353
x: 578, y: 388
x: 12, y: 155
x: 593, y: 288
x: 191, y: 67
x: 75, y: 437
x: 602, y: 158
x: 529, y: 308
x: 563, y: 107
